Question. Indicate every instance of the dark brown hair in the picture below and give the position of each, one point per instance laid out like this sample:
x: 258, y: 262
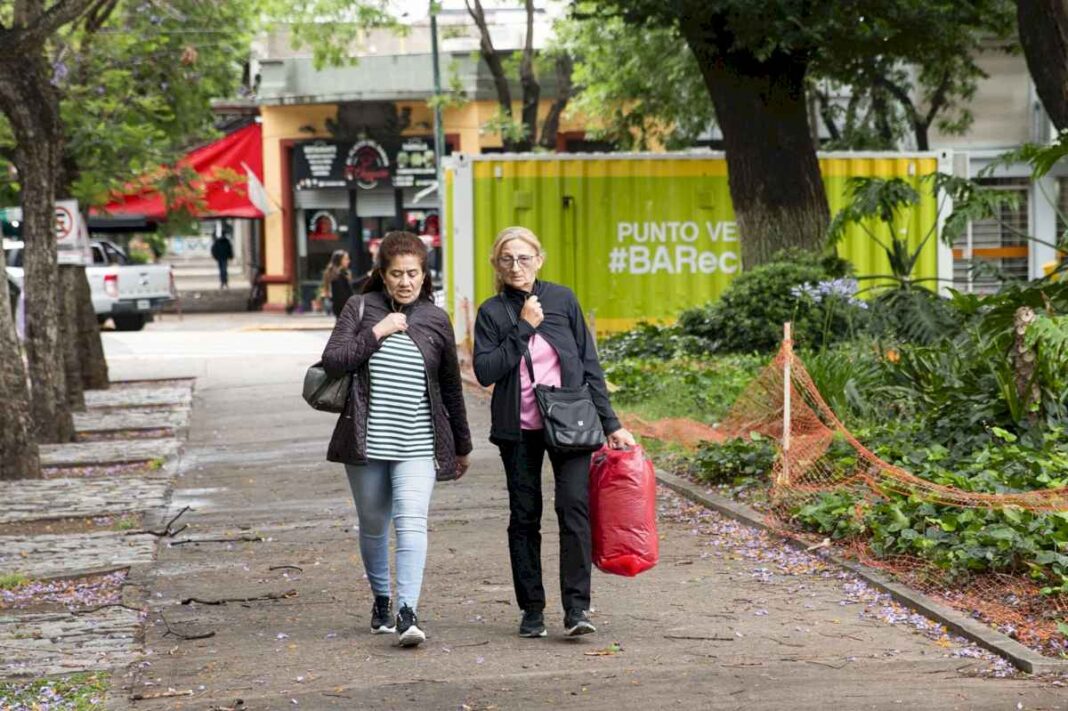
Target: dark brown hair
x: 396, y: 244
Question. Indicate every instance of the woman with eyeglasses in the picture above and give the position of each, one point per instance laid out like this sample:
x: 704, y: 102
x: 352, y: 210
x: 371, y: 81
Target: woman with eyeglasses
x: 404, y: 424
x: 546, y: 320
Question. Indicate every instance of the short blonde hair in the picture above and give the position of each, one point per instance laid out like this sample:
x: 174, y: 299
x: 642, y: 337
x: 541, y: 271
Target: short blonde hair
x: 504, y: 237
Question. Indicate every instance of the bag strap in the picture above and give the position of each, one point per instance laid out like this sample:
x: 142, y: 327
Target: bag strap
x: 515, y: 322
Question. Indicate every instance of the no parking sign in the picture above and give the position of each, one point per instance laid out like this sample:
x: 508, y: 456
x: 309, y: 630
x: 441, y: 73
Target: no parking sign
x: 72, y: 235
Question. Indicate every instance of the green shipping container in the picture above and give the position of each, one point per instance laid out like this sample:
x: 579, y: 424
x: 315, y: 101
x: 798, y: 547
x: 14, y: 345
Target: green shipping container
x: 640, y: 236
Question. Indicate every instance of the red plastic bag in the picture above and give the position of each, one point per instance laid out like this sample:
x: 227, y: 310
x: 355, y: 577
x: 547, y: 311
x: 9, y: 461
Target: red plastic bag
x: 623, y: 511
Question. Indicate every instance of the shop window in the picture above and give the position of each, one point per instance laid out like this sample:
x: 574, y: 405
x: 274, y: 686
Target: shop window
x: 995, y: 250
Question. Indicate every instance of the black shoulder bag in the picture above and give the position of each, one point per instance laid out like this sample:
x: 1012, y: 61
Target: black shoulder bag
x: 324, y: 392
x: 568, y: 414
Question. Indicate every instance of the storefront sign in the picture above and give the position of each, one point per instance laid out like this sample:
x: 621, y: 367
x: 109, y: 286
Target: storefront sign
x: 415, y: 167
x: 365, y: 164
x: 318, y: 164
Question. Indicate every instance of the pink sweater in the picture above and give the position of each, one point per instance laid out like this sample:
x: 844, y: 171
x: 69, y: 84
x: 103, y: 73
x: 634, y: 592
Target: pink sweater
x: 546, y: 371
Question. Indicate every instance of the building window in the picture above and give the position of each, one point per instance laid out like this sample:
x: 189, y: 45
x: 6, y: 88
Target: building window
x: 995, y: 250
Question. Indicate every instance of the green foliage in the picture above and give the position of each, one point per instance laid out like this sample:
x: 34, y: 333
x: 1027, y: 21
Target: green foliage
x: 647, y: 340
x: 750, y: 314
x: 702, y: 390
x: 910, y: 65
x: 852, y: 380
x: 882, y: 201
x: 1008, y: 540
x: 77, y: 692
x: 136, y: 93
x: 334, y: 30
x: 10, y: 581
x: 915, y: 316
x: 640, y: 86
x: 734, y: 460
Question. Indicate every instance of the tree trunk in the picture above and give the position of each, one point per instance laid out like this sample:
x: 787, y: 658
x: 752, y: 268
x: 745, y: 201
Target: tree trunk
x: 774, y: 175
x: 531, y: 88
x: 1044, y: 37
x: 31, y: 105
x: 20, y: 459
x: 68, y: 336
x: 90, y: 348
x: 564, y: 89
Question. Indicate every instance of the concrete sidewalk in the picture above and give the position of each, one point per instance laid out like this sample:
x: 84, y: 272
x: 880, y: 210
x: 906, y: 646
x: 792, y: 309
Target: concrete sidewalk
x: 720, y: 623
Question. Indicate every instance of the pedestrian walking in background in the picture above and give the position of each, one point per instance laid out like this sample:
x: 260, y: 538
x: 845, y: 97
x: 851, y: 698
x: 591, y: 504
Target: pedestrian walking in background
x: 404, y: 425
x: 222, y: 252
x: 337, y: 281
x: 546, y: 320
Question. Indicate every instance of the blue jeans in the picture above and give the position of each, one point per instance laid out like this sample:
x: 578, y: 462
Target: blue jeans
x: 397, y: 491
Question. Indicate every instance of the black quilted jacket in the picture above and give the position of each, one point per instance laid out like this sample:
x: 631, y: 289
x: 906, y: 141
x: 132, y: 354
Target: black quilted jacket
x: 350, y: 347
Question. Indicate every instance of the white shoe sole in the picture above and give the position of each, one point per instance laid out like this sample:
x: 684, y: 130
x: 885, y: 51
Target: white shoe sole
x: 535, y: 635
x: 383, y: 630
x: 580, y: 629
x: 412, y: 637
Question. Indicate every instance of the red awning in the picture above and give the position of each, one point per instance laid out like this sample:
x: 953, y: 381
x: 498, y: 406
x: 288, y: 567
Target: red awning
x: 223, y: 188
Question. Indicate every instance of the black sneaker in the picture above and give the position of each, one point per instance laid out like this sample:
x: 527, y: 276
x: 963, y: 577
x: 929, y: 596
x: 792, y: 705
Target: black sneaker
x: 533, y: 624
x: 408, y: 632
x: 577, y: 623
x: 381, y: 618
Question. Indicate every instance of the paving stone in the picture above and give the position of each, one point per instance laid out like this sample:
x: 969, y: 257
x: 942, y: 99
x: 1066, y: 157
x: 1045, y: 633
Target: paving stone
x: 131, y: 419
x: 50, y: 555
x: 139, y: 397
x: 63, y: 643
x: 110, y: 452
x: 63, y: 498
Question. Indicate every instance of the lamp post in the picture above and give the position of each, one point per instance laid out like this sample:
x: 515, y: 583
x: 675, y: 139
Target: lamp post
x: 439, y: 130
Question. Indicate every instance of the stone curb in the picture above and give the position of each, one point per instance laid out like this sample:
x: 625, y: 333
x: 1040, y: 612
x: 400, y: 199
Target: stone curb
x: 1021, y: 657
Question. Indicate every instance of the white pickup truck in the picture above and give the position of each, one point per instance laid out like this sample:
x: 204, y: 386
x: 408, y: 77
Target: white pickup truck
x: 127, y: 293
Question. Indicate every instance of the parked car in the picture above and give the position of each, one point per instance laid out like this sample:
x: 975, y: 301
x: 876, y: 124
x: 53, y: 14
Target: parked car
x: 127, y: 293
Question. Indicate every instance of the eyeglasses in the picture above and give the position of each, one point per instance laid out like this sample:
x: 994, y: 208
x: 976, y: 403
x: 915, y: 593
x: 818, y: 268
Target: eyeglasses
x: 525, y: 260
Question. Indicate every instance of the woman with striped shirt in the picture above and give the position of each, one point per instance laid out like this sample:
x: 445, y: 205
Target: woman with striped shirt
x: 404, y: 425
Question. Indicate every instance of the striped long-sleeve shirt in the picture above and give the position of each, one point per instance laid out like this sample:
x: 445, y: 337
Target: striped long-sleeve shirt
x: 398, y: 424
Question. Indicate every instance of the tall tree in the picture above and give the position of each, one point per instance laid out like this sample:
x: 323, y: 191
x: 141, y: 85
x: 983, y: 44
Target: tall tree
x: 636, y: 86
x: 1044, y: 37
x: 755, y: 58
x: 20, y: 458
x: 30, y: 102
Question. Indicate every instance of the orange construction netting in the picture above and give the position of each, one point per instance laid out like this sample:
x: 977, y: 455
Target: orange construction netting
x: 804, y: 469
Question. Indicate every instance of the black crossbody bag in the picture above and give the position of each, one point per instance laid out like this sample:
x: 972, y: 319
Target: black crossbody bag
x: 568, y: 414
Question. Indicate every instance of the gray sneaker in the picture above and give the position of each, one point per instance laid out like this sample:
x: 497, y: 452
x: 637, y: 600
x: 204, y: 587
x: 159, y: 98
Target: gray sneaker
x: 577, y: 623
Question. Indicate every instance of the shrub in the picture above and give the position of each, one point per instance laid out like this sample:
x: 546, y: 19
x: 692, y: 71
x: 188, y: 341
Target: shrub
x: 741, y: 458
x: 648, y: 340
x: 750, y: 314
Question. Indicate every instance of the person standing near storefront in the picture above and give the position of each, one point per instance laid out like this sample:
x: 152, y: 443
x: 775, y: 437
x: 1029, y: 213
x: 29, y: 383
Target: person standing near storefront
x: 337, y: 281
x: 222, y: 252
x: 545, y: 320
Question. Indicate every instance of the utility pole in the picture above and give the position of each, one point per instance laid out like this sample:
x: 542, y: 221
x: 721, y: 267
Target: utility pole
x: 439, y: 130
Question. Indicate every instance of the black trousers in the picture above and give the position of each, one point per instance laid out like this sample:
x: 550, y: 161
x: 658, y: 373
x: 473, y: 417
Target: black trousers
x: 224, y: 279
x: 522, y: 465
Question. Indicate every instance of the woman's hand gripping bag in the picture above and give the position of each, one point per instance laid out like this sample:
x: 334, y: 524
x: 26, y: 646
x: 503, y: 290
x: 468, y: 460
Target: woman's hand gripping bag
x: 623, y: 511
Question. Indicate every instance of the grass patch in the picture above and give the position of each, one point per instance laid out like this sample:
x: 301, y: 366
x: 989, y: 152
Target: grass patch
x: 78, y: 692
x: 10, y: 581
x: 126, y: 523
x: 701, y: 390
x: 156, y: 464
